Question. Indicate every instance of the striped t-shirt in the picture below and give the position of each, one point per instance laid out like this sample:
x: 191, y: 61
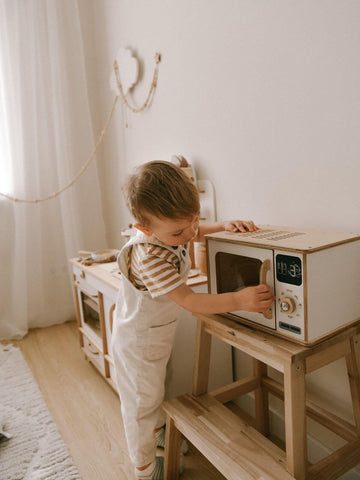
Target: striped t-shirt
x: 154, y: 268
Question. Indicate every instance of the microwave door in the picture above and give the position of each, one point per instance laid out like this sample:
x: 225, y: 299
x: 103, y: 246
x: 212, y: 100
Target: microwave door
x: 236, y: 271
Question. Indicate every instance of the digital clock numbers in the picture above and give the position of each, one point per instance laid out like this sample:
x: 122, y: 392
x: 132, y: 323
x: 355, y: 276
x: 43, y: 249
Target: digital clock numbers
x: 288, y: 269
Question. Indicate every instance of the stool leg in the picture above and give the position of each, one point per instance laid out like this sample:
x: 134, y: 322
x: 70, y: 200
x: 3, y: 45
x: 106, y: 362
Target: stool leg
x: 172, y: 450
x: 201, y: 360
x: 295, y: 419
x: 261, y: 399
x: 353, y: 368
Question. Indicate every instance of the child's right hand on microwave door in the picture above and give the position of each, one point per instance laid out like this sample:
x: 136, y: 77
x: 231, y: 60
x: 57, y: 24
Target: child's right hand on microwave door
x: 252, y: 299
x: 255, y: 299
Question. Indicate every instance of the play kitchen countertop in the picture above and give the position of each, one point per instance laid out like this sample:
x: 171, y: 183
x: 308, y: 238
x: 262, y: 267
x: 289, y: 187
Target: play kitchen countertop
x: 109, y: 273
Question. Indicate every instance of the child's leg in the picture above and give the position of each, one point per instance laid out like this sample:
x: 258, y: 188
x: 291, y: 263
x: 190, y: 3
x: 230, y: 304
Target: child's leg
x: 140, y: 362
x: 141, y: 394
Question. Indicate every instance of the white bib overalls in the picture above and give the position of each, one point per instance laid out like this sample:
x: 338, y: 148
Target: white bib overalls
x: 142, y: 340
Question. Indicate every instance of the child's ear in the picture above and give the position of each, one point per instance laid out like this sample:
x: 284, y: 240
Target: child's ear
x: 142, y: 229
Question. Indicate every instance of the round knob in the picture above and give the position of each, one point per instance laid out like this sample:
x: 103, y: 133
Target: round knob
x: 287, y: 305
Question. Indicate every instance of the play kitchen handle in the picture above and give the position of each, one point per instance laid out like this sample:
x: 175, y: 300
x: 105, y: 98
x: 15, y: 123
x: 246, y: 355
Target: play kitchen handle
x: 264, y: 269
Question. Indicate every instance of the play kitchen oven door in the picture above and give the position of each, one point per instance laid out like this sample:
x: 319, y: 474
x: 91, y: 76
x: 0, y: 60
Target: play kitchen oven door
x: 232, y: 268
x: 90, y: 310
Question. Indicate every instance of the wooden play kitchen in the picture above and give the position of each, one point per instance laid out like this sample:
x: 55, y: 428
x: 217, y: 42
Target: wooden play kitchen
x: 96, y: 283
x: 243, y: 452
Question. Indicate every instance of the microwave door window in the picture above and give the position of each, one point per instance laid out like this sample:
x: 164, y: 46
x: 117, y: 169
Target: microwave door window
x: 235, y: 272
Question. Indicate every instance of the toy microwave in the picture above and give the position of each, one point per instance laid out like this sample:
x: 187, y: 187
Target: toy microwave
x: 314, y: 275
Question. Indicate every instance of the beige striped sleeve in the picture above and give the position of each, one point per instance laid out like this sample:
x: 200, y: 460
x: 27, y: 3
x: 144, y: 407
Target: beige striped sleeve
x: 156, y: 269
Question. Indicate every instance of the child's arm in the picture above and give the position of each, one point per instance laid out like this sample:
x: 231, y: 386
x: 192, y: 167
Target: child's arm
x: 229, y: 226
x: 252, y: 299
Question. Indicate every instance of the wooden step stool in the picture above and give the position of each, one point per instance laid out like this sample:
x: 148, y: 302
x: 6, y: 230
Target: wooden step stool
x: 240, y: 451
x: 232, y: 446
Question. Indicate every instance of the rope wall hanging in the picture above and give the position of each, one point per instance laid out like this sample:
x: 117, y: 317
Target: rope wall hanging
x: 123, y: 78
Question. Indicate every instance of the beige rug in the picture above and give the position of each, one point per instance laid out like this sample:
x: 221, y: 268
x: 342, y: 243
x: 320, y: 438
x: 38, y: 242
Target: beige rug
x: 31, y: 447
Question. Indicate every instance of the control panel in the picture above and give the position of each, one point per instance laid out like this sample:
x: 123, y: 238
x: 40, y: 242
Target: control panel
x: 289, y: 293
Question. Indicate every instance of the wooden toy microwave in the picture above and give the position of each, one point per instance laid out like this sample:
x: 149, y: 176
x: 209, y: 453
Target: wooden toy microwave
x: 314, y: 274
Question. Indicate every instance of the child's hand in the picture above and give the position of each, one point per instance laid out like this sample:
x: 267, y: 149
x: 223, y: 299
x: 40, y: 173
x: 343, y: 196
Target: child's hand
x: 255, y: 299
x: 240, y: 226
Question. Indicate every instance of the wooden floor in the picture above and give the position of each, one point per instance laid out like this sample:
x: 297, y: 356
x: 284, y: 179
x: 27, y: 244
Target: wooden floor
x: 86, y: 409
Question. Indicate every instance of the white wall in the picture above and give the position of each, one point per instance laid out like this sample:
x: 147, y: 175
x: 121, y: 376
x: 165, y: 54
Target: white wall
x: 261, y: 96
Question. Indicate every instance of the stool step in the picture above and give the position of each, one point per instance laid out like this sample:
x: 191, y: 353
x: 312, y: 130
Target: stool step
x: 236, y: 449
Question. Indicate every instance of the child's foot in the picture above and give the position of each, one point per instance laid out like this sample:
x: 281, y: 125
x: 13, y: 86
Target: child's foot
x: 155, y: 471
x: 160, y: 437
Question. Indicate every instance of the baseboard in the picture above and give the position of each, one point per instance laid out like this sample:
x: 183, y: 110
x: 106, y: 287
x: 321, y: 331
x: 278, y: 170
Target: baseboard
x: 317, y: 449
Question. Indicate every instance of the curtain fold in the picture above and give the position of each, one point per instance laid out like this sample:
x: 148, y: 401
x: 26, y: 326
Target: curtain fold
x: 45, y: 137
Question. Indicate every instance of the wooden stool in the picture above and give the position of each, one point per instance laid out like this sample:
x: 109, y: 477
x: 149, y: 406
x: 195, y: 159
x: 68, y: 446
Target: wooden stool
x: 238, y: 450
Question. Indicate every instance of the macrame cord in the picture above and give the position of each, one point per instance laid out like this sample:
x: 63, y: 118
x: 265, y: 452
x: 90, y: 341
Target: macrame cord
x: 147, y: 102
x: 83, y: 169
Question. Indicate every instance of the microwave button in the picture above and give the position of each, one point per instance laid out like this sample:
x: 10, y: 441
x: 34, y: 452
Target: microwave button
x: 287, y: 305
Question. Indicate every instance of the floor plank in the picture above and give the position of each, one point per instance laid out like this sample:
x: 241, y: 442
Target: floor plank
x: 86, y: 409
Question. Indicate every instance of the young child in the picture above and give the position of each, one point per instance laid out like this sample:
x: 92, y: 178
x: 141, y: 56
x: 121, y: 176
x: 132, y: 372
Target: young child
x: 154, y: 266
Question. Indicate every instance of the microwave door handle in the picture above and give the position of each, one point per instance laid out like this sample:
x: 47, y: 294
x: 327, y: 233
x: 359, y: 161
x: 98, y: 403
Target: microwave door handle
x: 265, y: 268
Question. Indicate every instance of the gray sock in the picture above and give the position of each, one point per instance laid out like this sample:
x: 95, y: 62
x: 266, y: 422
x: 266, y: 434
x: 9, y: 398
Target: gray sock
x: 160, y: 438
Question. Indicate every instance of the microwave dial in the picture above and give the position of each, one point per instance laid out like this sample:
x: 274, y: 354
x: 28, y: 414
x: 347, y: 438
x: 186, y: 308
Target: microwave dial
x: 287, y: 305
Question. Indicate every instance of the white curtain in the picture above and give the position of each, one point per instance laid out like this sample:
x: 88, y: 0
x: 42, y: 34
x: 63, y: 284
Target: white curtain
x: 45, y: 137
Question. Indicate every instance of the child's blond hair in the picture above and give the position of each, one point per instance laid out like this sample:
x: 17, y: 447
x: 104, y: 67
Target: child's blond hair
x: 161, y: 189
